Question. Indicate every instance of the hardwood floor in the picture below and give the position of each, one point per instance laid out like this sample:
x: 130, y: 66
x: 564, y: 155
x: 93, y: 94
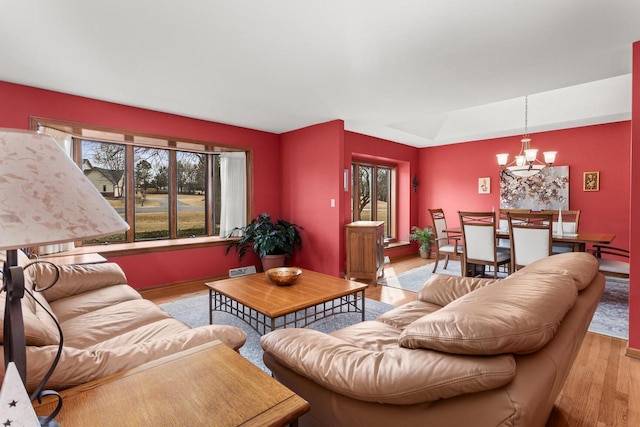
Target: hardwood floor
x: 603, y: 387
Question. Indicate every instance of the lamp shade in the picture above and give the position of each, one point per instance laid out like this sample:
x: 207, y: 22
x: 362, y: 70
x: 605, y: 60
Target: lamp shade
x: 503, y: 158
x: 549, y: 156
x: 44, y: 196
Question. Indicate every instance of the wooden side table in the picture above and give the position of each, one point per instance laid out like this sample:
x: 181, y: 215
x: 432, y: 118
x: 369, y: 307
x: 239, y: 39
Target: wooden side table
x: 365, y: 250
x: 208, y: 385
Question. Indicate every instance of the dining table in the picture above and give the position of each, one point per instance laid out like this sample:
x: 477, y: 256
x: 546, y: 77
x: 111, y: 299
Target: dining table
x: 579, y: 241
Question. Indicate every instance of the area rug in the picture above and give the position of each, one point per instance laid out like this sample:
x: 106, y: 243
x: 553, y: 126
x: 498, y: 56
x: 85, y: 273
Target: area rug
x: 611, y: 317
x: 413, y: 280
x: 194, y: 311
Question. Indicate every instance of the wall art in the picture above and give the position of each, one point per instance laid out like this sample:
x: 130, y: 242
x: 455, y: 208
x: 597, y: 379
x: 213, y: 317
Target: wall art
x: 591, y: 181
x: 484, y: 185
x: 548, y: 189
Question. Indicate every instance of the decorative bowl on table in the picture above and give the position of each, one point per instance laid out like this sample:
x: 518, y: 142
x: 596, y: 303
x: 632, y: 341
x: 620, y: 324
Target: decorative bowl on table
x: 283, y: 276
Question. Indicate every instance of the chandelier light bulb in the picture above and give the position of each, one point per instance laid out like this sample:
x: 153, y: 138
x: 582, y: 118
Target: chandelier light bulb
x: 531, y: 154
x: 526, y: 162
x: 549, y: 157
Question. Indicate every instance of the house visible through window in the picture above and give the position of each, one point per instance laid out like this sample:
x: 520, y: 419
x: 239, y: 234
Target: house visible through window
x: 164, y: 189
x: 373, y: 195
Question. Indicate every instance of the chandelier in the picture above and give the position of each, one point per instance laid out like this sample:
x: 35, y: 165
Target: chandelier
x: 526, y: 163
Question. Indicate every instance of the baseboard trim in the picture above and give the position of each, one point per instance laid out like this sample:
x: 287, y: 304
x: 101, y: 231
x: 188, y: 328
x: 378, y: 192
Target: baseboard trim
x: 632, y: 352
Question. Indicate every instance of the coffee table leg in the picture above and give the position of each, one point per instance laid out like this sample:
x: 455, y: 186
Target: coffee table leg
x: 210, y: 306
x: 362, y: 299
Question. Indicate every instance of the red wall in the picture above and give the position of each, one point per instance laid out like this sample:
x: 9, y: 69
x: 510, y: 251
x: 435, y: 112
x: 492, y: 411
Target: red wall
x: 363, y: 147
x: 18, y: 103
x: 449, y: 174
x: 311, y: 168
x: 317, y: 155
x: 634, y: 285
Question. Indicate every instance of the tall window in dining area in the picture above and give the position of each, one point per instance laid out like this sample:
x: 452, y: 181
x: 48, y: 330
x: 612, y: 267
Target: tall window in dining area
x: 373, y: 194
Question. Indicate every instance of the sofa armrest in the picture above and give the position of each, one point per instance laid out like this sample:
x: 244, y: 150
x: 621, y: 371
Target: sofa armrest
x: 77, y: 279
x: 396, y: 376
x: 441, y: 289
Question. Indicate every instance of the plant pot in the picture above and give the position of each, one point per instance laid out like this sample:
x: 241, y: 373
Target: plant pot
x: 425, y: 254
x: 272, y: 261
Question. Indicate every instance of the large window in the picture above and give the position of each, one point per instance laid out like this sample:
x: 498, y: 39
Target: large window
x: 373, y: 194
x: 191, y: 188
x: 163, y: 189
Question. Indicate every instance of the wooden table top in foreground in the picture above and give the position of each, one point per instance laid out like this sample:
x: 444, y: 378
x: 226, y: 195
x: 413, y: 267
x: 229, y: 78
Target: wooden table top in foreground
x: 209, y: 385
x: 258, y: 292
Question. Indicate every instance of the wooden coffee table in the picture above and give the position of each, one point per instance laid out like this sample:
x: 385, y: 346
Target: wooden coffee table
x: 208, y: 385
x: 265, y: 306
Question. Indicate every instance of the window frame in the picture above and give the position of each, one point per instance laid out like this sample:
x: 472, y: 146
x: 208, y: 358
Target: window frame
x: 391, y: 223
x: 131, y: 139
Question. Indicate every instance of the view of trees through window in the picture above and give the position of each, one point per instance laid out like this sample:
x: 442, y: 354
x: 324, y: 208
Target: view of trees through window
x: 372, y: 194
x: 152, y: 193
x: 191, y: 180
x: 165, y: 181
x: 104, y: 165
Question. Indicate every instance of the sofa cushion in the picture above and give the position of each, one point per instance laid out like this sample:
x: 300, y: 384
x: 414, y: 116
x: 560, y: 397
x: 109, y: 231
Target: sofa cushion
x: 77, y: 279
x: 402, y: 316
x: 519, y: 314
x: 370, y: 335
x: 77, y: 305
x: 108, y: 322
x: 441, y: 289
x: 582, y: 267
x: 79, y: 366
x: 397, y: 376
x: 39, y: 327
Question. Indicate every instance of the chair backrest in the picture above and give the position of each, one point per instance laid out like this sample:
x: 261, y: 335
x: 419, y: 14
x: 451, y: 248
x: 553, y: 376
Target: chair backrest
x: 503, y: 219
x: 439, y: 225
x: 503, y: 224
x: 479, y: 235
x: 570, y: 220
x: 531, y: 237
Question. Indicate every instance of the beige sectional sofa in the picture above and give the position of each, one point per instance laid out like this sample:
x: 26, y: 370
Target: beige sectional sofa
x: 108, y: 327
x: 468, y: 352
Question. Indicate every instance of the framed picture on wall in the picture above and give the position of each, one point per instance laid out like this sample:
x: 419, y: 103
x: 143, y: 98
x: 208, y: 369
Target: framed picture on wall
x: 548, y: 189
x: 484, y: 185
x: 591, y: 181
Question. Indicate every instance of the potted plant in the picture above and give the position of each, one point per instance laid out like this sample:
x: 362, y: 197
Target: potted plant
x: 424, y: 237
x: 271, y: 241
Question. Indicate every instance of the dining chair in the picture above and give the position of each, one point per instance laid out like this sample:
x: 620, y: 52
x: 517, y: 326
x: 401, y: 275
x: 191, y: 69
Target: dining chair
x: 503, y: 225
x: 531, y: 238
x: 610, y: 266
x: 570, y: 223
x: 480, y: 244
x: 447, y: 246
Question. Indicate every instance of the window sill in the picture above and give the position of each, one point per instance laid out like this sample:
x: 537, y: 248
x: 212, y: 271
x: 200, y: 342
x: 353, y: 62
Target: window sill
x: 145, y: 247
x: 397, y: 244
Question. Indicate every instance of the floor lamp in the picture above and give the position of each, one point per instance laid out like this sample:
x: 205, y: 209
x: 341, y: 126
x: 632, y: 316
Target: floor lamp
x: 44, y: 199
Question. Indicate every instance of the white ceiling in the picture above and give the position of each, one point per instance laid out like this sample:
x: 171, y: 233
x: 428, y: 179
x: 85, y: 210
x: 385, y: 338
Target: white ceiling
x: 419, y: 72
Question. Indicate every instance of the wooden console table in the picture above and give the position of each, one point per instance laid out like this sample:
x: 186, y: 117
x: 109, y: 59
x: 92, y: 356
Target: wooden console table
x: 365, y: 250
x: 208, y: 385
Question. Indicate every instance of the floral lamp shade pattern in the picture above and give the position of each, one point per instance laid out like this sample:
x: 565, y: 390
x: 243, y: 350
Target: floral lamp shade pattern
x: 45, y: 197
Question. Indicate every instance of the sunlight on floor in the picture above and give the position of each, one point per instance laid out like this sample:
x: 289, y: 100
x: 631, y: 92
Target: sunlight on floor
x: 393, y: 296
